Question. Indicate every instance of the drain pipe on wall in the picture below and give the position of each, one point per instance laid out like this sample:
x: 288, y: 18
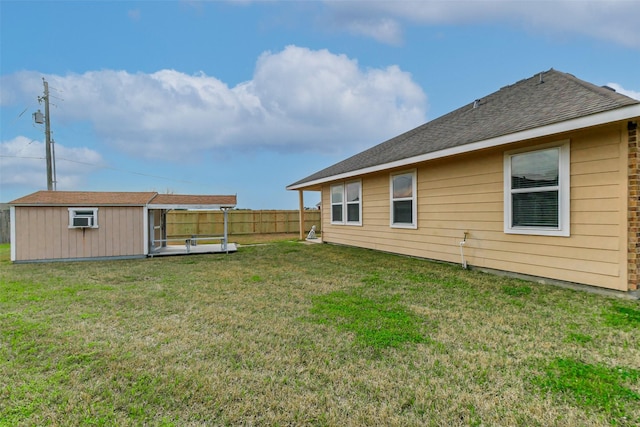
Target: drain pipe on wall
x: 462, y: 243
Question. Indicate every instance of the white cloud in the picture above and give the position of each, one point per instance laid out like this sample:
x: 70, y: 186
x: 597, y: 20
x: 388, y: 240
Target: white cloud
x: 134, y: 14
x: 298, y: 100
x: 383, y: 29
x: 23, y: 163
x: 610, y: 20
x: 630, y: 93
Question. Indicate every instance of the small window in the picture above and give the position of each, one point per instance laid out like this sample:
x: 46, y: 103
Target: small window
x: 83, y: 217
x: 403, y: 200
x: 537, y: 191
x: 346, y: 206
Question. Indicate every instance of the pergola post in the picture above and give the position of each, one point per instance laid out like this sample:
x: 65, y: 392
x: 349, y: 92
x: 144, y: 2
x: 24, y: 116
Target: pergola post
x: 301, y: 207
x: 226, y: 230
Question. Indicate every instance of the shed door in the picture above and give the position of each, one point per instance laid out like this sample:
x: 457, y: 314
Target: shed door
x: 157, y: 229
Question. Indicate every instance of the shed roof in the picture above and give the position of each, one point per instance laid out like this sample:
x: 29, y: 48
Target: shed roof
x: 542, y: 100
x: 85, y: 198
x: 194, y: 200
x: 108, y: 198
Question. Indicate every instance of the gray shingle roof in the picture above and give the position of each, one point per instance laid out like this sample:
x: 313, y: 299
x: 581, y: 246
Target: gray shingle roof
x: 543, y: 99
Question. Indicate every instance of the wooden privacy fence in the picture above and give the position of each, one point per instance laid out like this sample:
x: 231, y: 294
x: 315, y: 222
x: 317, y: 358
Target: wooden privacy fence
x: 190, y: 223
x: 5, y: 224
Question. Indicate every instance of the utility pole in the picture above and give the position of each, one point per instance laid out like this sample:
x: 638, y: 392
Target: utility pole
x: 47, y: 133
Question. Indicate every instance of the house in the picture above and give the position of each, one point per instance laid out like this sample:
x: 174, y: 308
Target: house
x: 75, y: 225
x: 539, y: 179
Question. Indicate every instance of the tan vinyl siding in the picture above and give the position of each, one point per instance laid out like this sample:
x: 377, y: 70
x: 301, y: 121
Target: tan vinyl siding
x: 466, y: 193
x: 43, y: 233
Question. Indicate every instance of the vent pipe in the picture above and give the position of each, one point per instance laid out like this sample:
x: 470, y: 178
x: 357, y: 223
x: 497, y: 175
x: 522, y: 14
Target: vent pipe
x: 462, y: 243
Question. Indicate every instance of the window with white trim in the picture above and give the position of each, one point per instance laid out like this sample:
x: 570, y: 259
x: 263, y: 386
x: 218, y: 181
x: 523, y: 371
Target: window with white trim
x: 353, y: 201
x: 536, y: 195
x: 403, y: 200
x: 83, y: 217
x: 337, y: 196
x: 346, y: 206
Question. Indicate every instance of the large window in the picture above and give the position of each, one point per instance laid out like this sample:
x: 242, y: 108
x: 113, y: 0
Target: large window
x: 83, y: 217
x: 537, y: 191
x: 403, y: 200
x: 346, y: 206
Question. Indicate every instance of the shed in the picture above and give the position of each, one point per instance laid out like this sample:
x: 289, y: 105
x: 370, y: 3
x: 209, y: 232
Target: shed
x: 538, y: 179
x: 80, y: 225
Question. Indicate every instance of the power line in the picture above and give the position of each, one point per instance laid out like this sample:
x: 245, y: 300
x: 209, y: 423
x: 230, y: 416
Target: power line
x: 19, y: 115
x: 101, y: 167
x: 26, y: 145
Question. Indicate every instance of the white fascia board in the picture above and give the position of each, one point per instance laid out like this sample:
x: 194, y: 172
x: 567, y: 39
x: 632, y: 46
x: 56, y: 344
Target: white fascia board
x: 630, y: 112
x: 145, y: 228
x: 12, y: 221
x: 191, y: 207
x: 78, y: 205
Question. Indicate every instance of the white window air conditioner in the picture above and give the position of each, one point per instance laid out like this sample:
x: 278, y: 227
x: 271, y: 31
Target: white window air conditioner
x: 82, y: 221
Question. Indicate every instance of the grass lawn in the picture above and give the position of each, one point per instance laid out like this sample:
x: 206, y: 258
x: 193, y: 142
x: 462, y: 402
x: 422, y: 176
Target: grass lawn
x: 294, y: 334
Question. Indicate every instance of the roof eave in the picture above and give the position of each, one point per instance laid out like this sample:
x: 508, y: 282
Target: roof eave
x: 75, y: 205
x: 191, y: 207
x: 619, y: 114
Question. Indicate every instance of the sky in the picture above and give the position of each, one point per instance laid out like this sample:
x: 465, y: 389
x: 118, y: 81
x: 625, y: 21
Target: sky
x: 246, y: 97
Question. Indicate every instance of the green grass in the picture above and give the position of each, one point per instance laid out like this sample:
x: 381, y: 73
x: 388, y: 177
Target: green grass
x: 377, y: 324
x: 516, y: 291
x: 607, y: 389
x: 294, y: 334
x: 622, y: 316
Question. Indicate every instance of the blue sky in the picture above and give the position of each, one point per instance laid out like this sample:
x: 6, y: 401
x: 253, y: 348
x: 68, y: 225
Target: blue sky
x: 246, y: 97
